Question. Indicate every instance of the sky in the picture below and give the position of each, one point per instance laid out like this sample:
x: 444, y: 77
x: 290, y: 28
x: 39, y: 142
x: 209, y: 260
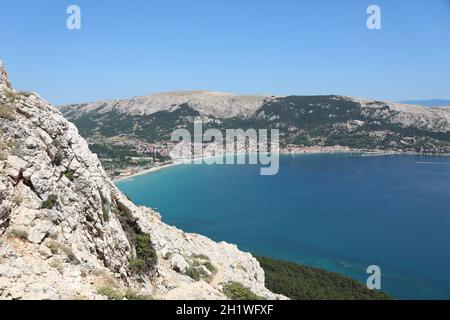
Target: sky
x: 281, y: 47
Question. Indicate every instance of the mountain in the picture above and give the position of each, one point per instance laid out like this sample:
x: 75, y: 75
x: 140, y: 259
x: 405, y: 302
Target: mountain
x: 302, y: 120
x: 67, y: 232
x: 433, y: 103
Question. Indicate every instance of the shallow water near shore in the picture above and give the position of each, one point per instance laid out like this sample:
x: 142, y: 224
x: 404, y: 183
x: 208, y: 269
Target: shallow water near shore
x: 340, y: 212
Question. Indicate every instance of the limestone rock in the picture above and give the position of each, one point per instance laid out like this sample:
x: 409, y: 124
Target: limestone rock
x: 178, y: 263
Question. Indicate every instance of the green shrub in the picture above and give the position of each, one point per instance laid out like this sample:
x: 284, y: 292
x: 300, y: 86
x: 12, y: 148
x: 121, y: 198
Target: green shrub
x: 105, y: 206
x: 236, y: 291
x: 146, y: 258
x: 136, y: 265
x: 210, y: 267
x: 59, y: 157
x: 20, y: 234
x: 50, y: 202
x: 194, y: 273
x: 305, y: 283
x: 146, y: 253
x: 113, y: 293
x: 200, y: 256
x: 105, y: 211
x: 69, y: 175
x: 53, y: 246
x: 69, y: 253
x: 110, y: 292
x: 131, y: 294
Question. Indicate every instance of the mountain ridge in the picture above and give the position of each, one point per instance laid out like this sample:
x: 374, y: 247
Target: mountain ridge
x: 327, y: 120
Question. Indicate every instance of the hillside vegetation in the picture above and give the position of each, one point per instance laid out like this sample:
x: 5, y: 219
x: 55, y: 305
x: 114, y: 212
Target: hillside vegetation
x: 302, y: 120
x: 305, y: 283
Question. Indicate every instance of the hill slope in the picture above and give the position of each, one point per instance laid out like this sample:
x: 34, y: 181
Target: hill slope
x: 302, y: 120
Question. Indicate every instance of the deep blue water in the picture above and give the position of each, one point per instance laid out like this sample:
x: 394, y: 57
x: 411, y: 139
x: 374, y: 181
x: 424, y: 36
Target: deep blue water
x: 340, y: 212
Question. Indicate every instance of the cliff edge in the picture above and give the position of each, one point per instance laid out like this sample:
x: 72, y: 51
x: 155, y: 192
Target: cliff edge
x: 66, y: 232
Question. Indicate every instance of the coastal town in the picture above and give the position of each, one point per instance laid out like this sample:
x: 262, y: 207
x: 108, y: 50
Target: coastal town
x: 152, y: 157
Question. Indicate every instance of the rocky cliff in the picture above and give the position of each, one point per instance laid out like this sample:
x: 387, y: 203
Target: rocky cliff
x: 67, y: 232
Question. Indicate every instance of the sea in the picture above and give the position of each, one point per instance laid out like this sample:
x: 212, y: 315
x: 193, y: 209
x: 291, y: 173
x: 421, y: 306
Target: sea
x: 339, y: 212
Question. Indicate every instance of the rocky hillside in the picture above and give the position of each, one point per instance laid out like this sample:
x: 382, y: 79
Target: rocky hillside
x: 67, y: 232
x: 302, y: 120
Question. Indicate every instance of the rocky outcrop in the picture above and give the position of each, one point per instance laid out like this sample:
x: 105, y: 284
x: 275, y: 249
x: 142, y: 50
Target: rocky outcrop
x: 66, y: 230
x: 4, y: 79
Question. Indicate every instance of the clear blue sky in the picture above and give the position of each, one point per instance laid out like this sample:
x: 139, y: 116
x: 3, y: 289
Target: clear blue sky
x: 136, y: 47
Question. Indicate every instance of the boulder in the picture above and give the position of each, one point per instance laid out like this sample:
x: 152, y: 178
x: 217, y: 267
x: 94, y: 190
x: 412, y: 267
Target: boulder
x: 178, y: 263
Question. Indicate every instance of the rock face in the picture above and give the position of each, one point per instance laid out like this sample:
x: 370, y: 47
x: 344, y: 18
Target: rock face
x: 65, y: 228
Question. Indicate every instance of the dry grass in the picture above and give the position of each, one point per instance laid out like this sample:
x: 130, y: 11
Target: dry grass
x: 6, y: 112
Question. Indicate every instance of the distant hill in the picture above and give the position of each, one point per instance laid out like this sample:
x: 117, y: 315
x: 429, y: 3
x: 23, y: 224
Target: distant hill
x: 433, y: 103
x: 302, y: 120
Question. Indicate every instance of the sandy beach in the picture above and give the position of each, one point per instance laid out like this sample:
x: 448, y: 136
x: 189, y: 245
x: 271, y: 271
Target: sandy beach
x: 308, y: 150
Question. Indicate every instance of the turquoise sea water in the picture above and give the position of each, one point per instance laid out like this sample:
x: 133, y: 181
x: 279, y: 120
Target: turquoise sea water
x: 340, y: 212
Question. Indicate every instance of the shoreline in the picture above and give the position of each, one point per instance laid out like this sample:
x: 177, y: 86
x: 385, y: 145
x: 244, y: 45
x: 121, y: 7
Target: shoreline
x: 296, y: 151
x: 325, y: 150
x: 304, y: 151
x: 146, y: 171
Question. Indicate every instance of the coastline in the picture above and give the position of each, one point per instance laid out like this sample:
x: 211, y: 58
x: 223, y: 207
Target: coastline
x: 293, y: 150
x: 296, y: 151
x: 146, y: 171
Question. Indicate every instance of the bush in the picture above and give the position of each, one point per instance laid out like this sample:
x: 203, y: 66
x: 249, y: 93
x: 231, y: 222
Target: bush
x: 105, y: 206
x: 7, y: 113
x: 113, y: 293
x: 131, y: 294
x: 20, y: 234
x: 59, y: 157
x: 105, y: 212
x: 53, y: 246
x: 145, y: 253
x: 210, y: 267
x: 236, y: 291
x: 194, y: 273
x: 69, y: 175
x: 50, y: 202
x: 69, y: 253
x: 136, y: 265
x: 146, y: 258
x: 110, y: 292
